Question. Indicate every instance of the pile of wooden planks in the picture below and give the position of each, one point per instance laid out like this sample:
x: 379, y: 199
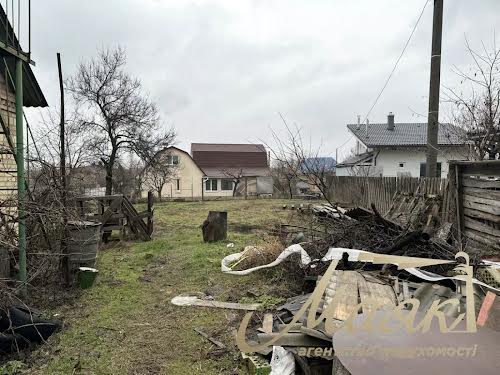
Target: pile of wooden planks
x: 116, y: 212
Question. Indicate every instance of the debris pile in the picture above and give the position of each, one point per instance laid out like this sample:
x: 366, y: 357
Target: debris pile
x: 366, y: 274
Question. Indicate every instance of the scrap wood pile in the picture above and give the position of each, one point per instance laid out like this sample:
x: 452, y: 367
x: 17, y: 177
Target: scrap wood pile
x: 371, y: 273
x: 371, y: 284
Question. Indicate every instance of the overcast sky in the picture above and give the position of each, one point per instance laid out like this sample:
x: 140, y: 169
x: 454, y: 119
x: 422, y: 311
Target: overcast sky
x: 223, y: 70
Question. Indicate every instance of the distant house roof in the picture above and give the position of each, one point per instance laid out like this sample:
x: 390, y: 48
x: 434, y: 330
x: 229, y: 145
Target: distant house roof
x: 406, y: 134
x: 224, y: 156
x: 357, y: 160
x: 326, y: 164
x: 227, y: 147
x: 32, y: 93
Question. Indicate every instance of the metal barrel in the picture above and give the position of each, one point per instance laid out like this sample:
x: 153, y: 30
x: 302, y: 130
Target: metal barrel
x: 83, y: 242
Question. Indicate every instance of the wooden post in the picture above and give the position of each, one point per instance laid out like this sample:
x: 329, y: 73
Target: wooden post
x: 433, y: 118
x: 214, y: 228
x: 150, y: 212
x: 62, y: 166
x: 458, y: 200
x: 246, y: 187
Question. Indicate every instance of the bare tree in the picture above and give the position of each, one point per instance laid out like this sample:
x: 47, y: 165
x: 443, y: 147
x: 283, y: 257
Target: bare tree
x: 284, y: 176
x: 116, y: 115
x: 160, y: 170
x: 477, y: 103
x: 299, y: 162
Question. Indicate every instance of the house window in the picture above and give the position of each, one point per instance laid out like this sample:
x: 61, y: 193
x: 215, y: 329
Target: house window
x: 227, y: 184
x: 172, y: 159
x: 401, y: 165
x: 423, y: 170
x: 211, y: 184
x: 178, y: 184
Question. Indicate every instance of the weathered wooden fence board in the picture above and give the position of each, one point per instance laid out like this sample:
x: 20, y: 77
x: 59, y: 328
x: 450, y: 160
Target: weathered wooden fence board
x: 478, y: 186
x: 381, y: 191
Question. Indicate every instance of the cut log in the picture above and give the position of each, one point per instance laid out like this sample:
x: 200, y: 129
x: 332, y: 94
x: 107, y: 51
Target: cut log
x: 214, y: 228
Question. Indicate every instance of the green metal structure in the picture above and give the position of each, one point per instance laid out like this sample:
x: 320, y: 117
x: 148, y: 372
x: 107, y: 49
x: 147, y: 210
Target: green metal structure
x: 27, y: 93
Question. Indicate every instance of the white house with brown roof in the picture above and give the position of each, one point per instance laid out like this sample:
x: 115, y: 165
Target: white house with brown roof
x: 233, y: 169
x: 187, y: 179
x: 398, y: 149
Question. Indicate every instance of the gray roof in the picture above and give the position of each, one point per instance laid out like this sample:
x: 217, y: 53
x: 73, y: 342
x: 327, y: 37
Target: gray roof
x: 356, y: 159
x: 406, y: 134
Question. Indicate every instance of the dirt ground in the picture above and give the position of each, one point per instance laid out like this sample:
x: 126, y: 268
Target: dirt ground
x: 126, y: 324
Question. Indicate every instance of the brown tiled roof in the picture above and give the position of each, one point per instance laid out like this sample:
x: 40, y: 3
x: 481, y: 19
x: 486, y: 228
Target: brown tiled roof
x: 208, y: 155
x: 227, y: 147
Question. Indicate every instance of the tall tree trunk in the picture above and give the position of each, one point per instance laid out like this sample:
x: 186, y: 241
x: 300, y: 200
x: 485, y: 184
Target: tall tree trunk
x: 109, y: 170
x: 290, y: 190
x: 159, y: 193
x: 109, y: 180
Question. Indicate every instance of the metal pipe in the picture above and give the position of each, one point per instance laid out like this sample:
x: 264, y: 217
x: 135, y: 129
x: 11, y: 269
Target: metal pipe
x: 20, y: 174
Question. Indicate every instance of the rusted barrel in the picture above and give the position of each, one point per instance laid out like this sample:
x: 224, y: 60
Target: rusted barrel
x: 83, y: 242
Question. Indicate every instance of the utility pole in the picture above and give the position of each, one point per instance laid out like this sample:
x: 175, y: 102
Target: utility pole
x: 62, y: 166
x: 433, y: 118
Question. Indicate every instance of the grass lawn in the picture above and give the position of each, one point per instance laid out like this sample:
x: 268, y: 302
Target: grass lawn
x: 126, y: 324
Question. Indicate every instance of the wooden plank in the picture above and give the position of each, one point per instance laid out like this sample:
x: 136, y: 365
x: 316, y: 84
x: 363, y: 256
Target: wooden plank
x: 480, y: 183
x: 483, y: 193
x: 267, y: 323
x: 485, y: 239
x: 481, y: 215
x: 468, y: 202
x: 476, y: 199
x: 481, y: 227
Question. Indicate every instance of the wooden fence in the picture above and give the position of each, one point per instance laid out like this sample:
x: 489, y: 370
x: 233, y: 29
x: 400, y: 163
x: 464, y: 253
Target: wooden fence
x: 469, y: 199
x: 381, y: 191
x: 477, y: 185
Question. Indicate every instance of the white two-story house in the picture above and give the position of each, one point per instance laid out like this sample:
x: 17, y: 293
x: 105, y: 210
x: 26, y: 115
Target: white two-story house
x: 398, y: 149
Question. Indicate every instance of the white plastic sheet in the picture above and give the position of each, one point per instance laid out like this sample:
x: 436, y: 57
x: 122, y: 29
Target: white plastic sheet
x: 282, y: 362
x: 335, y: 253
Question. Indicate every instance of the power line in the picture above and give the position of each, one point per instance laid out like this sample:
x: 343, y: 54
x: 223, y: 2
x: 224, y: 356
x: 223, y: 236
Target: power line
x: 397, y: 61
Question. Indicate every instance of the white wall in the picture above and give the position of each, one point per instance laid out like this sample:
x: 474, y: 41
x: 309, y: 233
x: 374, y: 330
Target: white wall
x: 219, y: 192
x: 388, y: 160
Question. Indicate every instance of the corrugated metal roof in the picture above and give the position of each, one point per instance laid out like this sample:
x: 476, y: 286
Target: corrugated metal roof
x: 406, y: 134
x: 227, y: 147
x: 32, y: 93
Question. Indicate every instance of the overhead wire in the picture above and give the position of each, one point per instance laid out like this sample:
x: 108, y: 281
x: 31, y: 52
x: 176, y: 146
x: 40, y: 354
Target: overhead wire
x: 397, y: 61
x: 392, y: 71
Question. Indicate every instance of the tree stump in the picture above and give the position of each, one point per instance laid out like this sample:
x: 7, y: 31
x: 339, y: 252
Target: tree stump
x: 214, y: 228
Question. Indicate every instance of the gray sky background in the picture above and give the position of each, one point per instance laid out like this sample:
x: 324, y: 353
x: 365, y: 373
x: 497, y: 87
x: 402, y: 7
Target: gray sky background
x: 221, y: 71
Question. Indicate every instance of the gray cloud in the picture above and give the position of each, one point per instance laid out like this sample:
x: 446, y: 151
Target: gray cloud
x: 222, y: 70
